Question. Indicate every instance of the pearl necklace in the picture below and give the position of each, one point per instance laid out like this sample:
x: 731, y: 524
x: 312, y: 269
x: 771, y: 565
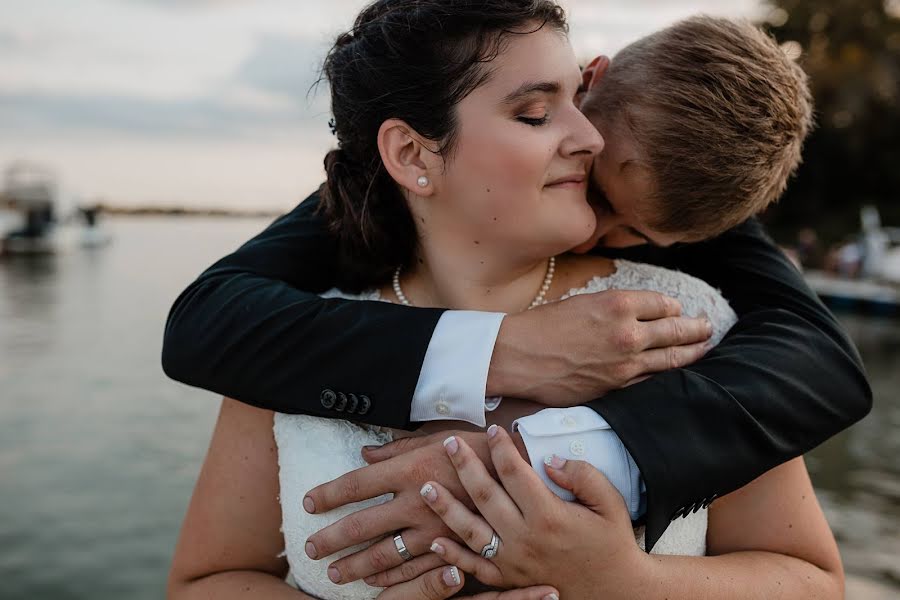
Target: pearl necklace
x: 538, y: 300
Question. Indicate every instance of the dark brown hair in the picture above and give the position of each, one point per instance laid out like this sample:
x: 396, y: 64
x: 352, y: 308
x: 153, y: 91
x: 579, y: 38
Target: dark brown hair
x: 413, y: 60
x: 719, y: 113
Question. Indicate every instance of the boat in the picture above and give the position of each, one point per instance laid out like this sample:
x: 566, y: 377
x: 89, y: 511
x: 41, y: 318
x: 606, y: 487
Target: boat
x: 876, y: 287
x: 29, y: 191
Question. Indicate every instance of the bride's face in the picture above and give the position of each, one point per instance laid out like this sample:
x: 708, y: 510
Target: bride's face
x: 517, y: 178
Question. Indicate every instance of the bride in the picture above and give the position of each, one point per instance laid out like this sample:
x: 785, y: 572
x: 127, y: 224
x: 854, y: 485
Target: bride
x: 463, y: 187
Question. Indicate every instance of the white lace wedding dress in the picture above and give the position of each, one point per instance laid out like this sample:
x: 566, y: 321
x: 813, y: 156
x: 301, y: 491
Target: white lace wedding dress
x: 314, y: 450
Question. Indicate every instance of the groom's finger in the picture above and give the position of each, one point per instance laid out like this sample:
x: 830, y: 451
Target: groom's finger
x: 383, y: 555
x: 368, y: 482
x: 376, y: 454
x: 364, y: 525
x: 407, y: 571
x: 675, y: 331
x: 436, y: 584
x: 673, y: 357
x: 640, y: 304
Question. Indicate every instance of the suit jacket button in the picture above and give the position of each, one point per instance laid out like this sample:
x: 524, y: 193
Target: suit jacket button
x: 342, y: 402
x: 354, y: 402
x: 328, y: 397
x: 364, y: 405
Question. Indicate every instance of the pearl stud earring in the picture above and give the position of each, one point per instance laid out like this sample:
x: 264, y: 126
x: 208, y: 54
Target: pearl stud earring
x: 423, y: 181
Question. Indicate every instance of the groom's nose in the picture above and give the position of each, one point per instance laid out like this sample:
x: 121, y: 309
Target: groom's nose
x: 620, y: 238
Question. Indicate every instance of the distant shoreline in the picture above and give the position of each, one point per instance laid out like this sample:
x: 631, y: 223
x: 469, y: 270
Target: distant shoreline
x: 155, y: 211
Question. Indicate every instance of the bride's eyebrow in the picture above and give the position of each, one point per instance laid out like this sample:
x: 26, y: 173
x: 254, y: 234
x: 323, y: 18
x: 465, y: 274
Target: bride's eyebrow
x: 532, y: 87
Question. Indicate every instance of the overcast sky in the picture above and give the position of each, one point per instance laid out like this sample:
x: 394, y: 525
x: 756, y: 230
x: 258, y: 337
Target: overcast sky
x: 204, y: 102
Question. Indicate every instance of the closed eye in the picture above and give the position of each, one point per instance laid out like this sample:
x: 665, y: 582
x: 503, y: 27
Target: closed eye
x: 534, y: 121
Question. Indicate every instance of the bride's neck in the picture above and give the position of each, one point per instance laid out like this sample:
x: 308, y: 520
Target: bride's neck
x: 473, y: 279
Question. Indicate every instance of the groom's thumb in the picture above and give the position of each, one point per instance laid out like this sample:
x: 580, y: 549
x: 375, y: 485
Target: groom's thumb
x: 590, y: 486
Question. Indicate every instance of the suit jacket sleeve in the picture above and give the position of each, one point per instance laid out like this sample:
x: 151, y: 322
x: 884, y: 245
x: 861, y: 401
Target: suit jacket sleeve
x: 783, y: 380
x: 252, y: 327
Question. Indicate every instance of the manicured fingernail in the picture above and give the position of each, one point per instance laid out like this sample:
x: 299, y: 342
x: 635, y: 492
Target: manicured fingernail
x: 551, y: 597
x: 437, y: 548
x: 555, y: 462
x: 451, y: 445
x: 451, y: 576
x: 308, y: 505
x: 311, y: 550
x: 492, y: 431
x: 428, y: 492
x: 334, y: 575
x: 371, y: 448
x: 370, y: 580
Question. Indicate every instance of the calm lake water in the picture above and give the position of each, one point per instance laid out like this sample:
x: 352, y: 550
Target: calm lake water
x: 99, y: 450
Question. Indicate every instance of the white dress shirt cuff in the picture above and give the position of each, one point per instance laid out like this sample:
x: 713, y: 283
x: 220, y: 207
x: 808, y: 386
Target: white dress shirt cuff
x: 454, y: 374
x: 579, y: 433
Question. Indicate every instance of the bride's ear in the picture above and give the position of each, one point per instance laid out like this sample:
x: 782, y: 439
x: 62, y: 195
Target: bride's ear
x: 407, y: 157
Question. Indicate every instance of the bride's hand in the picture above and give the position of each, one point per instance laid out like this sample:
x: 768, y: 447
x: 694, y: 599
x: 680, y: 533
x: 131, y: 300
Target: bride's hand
x: 444, y: 582
x: 579, y: 548
x: 399, y: 468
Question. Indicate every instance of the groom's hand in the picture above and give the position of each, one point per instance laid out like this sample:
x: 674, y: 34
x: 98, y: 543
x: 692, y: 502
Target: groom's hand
x: 400, y: 468
x: 570, y: 352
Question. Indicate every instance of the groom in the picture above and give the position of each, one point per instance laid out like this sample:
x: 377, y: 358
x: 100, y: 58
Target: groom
x: 783, y: 380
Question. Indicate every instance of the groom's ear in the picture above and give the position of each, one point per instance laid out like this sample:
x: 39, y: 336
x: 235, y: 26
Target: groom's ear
x: 594, y: 72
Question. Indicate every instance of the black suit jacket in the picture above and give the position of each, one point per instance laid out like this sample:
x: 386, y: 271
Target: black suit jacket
x: 783, y: 380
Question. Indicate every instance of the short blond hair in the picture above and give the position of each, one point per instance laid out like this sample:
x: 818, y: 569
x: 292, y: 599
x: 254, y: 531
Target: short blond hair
x: 719, y: 113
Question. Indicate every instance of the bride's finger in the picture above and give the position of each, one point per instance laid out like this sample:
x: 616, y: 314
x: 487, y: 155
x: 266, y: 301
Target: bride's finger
x: 472, y: 529
x: 436, y: 584
x: 519, y: 479
x: 454, y: 554
x: 408, y: 571
x: 542, y: 592
x: 489, y: 496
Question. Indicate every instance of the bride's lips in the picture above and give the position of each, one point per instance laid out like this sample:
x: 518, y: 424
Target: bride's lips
x: 574, y: 181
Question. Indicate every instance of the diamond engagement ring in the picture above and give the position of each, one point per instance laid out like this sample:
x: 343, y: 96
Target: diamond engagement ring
x: 401, y: 548
x: 490, y: 551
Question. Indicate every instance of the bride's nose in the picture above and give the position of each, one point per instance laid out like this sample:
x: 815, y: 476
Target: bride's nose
x: 583, y: 138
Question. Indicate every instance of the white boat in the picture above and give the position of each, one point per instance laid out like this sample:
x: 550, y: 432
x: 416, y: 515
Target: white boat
x: 30, y: 190
x: 877, y: 288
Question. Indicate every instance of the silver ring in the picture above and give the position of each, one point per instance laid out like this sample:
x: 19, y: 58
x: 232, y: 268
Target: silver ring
x: 401, y: 548
x: 490, y: 550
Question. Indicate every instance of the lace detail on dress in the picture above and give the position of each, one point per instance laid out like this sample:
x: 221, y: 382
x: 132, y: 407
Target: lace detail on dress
x: 696, y: 296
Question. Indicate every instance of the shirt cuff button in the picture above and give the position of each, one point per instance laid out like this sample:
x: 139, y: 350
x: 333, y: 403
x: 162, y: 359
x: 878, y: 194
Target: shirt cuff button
x: 442, y: 409
x: 577, y: 448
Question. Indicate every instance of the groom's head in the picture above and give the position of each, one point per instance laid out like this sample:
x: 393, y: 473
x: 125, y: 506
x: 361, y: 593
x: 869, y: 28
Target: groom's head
x: 704, y: 124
